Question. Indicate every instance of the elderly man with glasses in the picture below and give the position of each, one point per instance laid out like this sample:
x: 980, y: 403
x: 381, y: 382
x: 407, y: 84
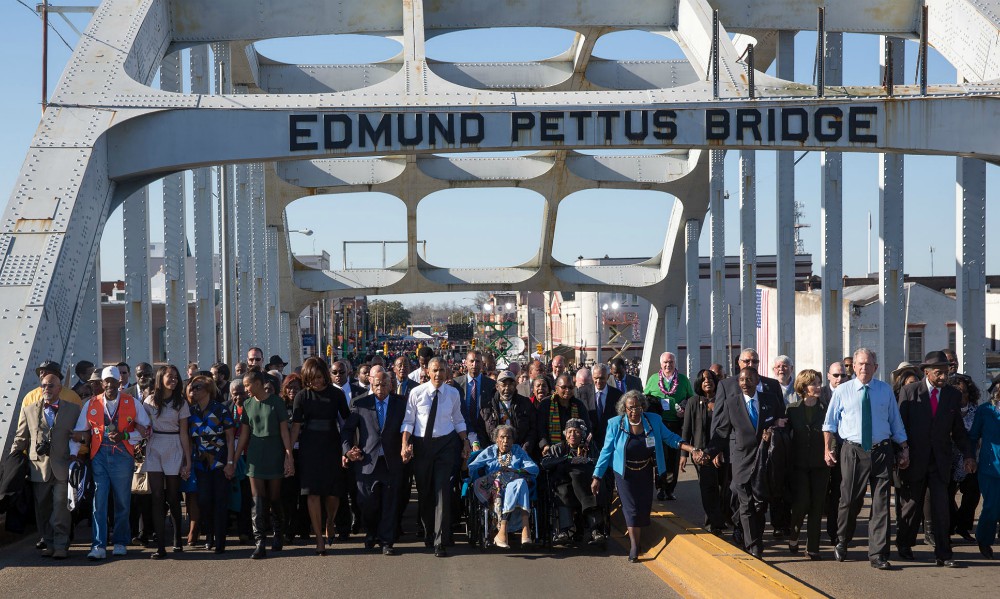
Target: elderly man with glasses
x: 48, y: 415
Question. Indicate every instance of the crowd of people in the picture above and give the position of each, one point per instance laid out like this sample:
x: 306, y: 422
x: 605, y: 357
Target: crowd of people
x: 333, y: 450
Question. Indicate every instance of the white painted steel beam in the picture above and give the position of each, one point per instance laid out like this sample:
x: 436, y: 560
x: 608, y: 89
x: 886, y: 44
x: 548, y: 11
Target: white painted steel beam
x: 692, y: 307
x: 717, y: 272
x: 785, y: 227
x: 748, y: 251
x: 831, y: 165
x: 970, y: 272
x: 138, y: 309
x: 892, y: 302
x: 206, y: 333
x: 175, y: 246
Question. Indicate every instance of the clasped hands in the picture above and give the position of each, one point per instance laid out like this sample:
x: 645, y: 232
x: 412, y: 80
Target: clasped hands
x: 353, y: 455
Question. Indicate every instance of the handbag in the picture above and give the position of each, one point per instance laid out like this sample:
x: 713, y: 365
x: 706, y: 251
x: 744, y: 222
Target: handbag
x: 140, y: 483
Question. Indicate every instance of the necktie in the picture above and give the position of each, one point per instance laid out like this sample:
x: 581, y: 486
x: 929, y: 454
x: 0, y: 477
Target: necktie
x: 934, y: 401
x: 380, y: 411
x: 752, y: 410
x: 399, y: 388
x: 472, y: 397
x: 621, y: 385
x: 866, y: 420
x: 600, y: 403
x: 429, y: 429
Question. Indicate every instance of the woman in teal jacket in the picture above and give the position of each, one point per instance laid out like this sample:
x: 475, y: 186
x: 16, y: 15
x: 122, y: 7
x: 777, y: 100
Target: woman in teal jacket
x: 632, y: 444
x: 986, y: 428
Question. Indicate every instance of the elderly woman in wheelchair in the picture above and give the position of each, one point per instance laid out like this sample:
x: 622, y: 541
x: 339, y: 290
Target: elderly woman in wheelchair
x: 570, y: 468
x: 501, y: 473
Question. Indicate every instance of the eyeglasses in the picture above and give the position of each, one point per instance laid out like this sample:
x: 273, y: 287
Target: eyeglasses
x: 633, y: 409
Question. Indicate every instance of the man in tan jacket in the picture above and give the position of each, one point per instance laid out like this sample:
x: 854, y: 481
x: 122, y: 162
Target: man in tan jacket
x: 48, y: 415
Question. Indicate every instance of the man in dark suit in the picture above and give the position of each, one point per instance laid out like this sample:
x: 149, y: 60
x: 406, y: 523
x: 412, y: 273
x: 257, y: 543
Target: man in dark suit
x: 404, y: 384
x: 348, y: 522
x: 372, y: 441
x: 933, y: 422
x: 623, y: 380
x: 474, y: 389
x: 605, y: 404
x: 835, y: 375
x: 742, y: 420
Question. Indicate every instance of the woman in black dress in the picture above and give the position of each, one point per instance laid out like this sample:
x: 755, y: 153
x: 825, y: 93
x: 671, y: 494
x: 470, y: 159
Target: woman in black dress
x: 317, y: 414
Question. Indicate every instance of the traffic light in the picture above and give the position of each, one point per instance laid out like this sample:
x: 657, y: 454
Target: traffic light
x: 472, y: 344
x: 329, y: 350
x: 539, y: 347
x: 385, y: 348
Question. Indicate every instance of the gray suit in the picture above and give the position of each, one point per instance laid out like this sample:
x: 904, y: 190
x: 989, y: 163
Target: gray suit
x: 49, y: 473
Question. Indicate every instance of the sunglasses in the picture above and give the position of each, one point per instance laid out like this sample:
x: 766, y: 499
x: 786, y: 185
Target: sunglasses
x: 838, y: 376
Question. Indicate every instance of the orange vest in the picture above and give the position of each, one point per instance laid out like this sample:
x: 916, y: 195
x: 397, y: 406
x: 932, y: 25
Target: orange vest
x: 95, y: 420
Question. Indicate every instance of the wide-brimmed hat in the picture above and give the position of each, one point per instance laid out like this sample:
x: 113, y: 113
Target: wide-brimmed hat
x: 95, y: 376
x: 49, y: 367
x: 936, y: 359
x: 277, y: 361
x: 903, y: 366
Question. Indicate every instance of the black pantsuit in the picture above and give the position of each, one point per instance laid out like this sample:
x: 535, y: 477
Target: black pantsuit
x: 434, y: 463
x: 809, y: 487
x: 858, y: 469
x: 712, y: 486
x: 963, y: 515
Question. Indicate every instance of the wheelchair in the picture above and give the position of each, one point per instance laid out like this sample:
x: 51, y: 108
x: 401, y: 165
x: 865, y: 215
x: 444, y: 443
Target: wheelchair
x: 553, y: 506
x: 481, y: 522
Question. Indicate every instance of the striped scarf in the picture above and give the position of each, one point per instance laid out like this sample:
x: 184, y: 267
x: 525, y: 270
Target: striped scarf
x: 555, y: 427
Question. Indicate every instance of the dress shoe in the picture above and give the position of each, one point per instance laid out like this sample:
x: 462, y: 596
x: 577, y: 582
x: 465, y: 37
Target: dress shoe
x: 501, y: 543
x: 219, y: 550
x: 179, y: 549
x: 369, y: 544
x: 259, y: 552
x: 905, y: 553
x: 840, y: 552
x: 947, y: 563
x: 670, y: 497
x: 813, y: 556
x: 986, y: 550
x: 757, y: 552
x: 880, y: 563
x: 388, y: 550
x: 661, y: 495
x: 632, y: 559
x: 48, y: 552
x: 60, y: 554
x: 40, y: 544
x: 561, y: 538
x: 968, y: 538
x: 158, y: 554
x: 439, y: 551
x: 793, y: 547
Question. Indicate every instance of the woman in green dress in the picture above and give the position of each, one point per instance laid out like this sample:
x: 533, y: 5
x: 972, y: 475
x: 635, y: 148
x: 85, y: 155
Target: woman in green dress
x: 265, y: 437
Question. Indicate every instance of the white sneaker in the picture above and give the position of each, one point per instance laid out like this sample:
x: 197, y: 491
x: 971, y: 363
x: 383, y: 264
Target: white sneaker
x: 120, y: 550
x: 97, y: 553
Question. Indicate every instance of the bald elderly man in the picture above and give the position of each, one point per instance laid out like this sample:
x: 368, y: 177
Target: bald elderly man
x: 673, y: 389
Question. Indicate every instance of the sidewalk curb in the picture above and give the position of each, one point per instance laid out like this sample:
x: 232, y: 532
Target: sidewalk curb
x: 697, y: 564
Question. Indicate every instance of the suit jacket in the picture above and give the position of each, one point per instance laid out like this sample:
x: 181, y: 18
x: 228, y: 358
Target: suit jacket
x: 825, y: 394
x: 32, y: 426
x: 357, y: 392
x: 361, y: 429
x: 522, y: 416
x: 930, y: 437
x: 600, y: 421
x: 697, y: 429
x: 732, y: 429
x: 808, y: 445
x: 408, y: 385
x: 486, y: 392
x: 632, y: 383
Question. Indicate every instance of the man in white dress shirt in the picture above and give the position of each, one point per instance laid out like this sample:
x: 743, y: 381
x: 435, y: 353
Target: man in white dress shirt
x: 434, y: 436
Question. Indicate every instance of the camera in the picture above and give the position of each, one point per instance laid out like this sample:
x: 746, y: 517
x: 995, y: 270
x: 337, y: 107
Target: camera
x: 43, y: 446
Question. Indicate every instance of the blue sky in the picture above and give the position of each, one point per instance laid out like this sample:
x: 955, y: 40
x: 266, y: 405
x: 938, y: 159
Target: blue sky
x: 591, y: 223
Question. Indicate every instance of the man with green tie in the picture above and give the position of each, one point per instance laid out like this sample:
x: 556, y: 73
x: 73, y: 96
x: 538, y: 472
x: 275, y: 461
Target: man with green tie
x: 863, y: 411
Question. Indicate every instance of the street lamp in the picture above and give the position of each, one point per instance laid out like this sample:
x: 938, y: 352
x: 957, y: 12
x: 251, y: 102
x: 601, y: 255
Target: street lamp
x: 306, y: 232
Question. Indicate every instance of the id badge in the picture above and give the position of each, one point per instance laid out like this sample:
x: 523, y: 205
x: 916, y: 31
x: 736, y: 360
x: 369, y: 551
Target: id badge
x: 650, y: 441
